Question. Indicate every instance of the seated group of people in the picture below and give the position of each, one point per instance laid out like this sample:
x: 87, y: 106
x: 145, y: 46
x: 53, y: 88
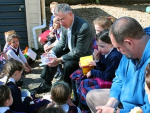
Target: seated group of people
x: 119, y: 81
x: 120, y: 60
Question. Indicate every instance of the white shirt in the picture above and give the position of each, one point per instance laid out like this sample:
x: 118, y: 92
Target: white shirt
x: 11, y: 54
x: 69, y: 35
x: 3, y: 80
x: 4, y: 109
x: 65, y: 107
x: 109, y: 52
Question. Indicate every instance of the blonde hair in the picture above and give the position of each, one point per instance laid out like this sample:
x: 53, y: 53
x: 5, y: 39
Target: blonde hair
x: 10, y: 67
x: 60, y: 92
x: 104, y: 21
x: 8, y: 33
x: 53, y: 5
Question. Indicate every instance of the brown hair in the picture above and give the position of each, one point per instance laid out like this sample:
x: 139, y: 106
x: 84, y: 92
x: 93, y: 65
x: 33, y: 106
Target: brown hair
x: 53, y: 4
x: 104, y: 36
x: 147, y: 76
x: 4, y: 94
x: 104, y: 21
x: 60, y: 92
x: 13, y: 36
x: 10, y: 67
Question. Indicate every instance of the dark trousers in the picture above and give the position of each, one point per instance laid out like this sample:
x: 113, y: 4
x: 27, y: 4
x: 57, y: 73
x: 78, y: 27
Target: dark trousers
x: 69, y: 67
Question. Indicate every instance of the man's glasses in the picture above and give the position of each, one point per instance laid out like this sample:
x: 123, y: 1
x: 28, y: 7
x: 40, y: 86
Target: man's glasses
x: 60, y: 20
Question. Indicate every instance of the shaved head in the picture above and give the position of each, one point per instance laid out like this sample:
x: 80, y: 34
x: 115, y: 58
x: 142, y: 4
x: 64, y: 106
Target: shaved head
x: 126, y: 27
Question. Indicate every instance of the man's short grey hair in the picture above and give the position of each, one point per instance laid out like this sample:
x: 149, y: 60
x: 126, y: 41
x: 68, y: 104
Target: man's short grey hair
x: 64, y: 8
x: 126, y: 27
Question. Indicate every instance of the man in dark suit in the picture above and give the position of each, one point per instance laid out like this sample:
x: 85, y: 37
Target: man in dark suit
x: 76, y: 41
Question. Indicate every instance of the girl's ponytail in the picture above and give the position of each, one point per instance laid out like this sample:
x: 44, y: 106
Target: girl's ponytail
x: 10, y: 67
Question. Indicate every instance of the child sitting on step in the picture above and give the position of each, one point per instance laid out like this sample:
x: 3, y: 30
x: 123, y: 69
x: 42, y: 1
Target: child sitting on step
x: 15, y: 52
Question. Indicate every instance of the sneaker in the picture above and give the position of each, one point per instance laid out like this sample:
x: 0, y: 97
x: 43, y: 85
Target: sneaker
x: 42, y: 88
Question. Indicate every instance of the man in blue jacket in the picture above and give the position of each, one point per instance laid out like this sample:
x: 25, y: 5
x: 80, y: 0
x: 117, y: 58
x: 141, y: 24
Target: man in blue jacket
x: 129, y: 38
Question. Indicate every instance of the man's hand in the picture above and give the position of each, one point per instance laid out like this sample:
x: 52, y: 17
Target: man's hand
x: 54, y: 62
x: 96, y: 54
x: 105, y: 109
x: 45, y: 47
x: 48, y: 48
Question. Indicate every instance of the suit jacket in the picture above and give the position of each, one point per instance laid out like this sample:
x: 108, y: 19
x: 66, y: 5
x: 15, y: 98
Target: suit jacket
x: 81, y: 40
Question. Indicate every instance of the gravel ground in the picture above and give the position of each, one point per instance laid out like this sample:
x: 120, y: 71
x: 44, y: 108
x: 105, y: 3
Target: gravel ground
x: 89, y: 12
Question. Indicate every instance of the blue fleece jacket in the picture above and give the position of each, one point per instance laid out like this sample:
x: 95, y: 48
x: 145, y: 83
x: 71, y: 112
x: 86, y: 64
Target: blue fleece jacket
x: 147, y: 30
x: 128, y: 85
x: 51, y: 21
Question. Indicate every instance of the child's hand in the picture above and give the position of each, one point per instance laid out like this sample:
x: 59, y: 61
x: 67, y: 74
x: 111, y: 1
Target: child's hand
x: 23, y: 51
x: 80, y: 65
x: 4, y: 55
x: 51, y: 28
x: 96, y: 54
x: 92, y: 63
x: 88, y: 74
x: 52, y: 34
x: 26, y: 69
x: 28, y: 66
x: 49, y: 48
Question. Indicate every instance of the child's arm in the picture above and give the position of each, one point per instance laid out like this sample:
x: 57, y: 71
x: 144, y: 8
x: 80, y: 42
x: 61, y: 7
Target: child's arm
x: 4, y: 55
x: 18, y: 105
x: 11, y: 54
x: 22, y: 57
x: 51, y: 22
x: 109, y: 73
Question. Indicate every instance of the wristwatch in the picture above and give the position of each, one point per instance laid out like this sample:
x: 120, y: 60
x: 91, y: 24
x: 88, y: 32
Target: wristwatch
x: 60, y: 61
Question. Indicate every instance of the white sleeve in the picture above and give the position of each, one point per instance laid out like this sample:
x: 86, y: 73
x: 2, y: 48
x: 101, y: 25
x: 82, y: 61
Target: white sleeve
x: 79, y: 111
x: 11, y: 54
x: 22, y: 57
x: 60, y: 35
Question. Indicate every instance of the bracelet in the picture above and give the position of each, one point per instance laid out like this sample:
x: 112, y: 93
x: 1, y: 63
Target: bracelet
x: 115, y: 111
x: 60, y: 62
